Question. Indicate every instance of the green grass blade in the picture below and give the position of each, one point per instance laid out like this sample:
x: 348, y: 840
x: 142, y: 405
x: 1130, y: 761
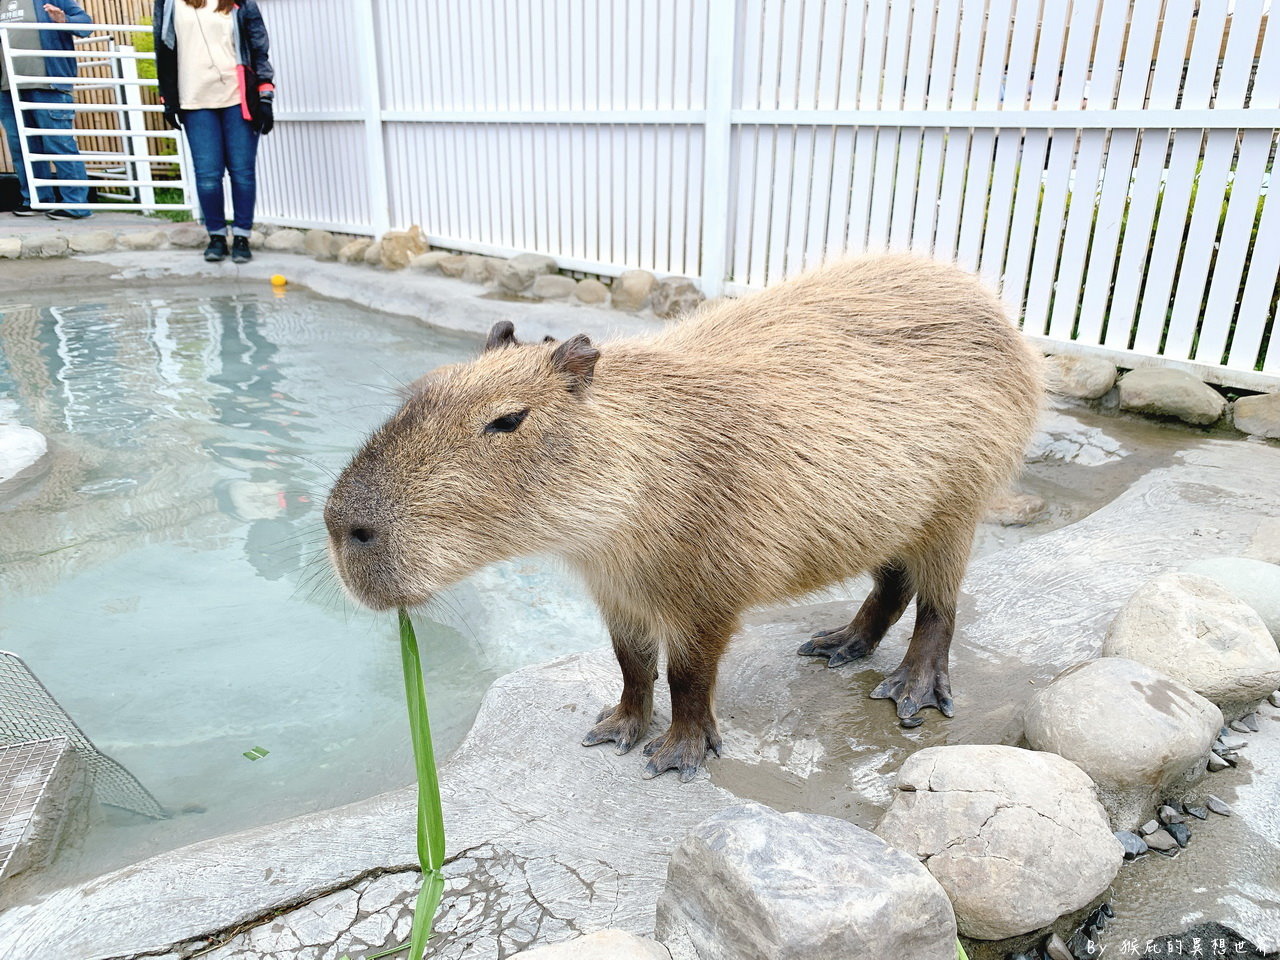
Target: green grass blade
x: 430, y: 815
x: 960, y: 954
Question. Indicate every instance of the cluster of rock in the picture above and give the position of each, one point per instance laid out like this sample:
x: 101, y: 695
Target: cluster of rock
x: 1163, y: 392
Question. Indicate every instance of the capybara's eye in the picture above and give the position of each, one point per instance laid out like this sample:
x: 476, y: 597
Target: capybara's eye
x: 507, y: 422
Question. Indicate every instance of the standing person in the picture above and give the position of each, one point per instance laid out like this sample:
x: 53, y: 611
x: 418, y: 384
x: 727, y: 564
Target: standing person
x: 215, y: 81
x: 53, y: 97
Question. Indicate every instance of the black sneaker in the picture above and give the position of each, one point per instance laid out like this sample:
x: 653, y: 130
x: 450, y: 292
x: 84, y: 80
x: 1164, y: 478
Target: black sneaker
x: 240, y: 252
x: 68, y: 214
x: 24, y: 211
x: 217, y: 248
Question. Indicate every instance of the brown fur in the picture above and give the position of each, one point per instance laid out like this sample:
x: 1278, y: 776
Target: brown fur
x: 856, y: 418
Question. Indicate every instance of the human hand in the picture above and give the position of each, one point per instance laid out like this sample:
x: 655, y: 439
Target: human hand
x: 265, y: 121
x: 172, y: 118
x: 55, y: 13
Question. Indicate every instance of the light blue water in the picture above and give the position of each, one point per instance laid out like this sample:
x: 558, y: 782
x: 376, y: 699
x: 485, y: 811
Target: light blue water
x: 164, y: 576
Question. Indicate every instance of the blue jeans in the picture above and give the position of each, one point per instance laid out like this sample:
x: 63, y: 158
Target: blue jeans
x: 50, y: 117
x: 223, y: 140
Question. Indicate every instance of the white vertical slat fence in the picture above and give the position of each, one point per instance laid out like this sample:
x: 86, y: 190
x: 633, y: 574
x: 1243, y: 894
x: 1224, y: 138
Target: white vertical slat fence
x: 1107, y: 163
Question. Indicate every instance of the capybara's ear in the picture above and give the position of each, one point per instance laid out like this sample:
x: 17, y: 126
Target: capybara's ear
x: 503, y: 334
x: 577, y: 358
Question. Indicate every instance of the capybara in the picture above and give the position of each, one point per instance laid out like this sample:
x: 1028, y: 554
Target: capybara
x: 857, y: 418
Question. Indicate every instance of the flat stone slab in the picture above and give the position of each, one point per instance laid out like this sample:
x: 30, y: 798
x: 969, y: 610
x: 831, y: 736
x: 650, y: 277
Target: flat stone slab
x: 549, y: 840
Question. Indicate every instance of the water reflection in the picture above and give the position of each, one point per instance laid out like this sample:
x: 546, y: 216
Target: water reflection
x: 159, y: 575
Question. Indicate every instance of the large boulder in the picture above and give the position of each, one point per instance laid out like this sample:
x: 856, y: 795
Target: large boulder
x: 1017, y: 838
x: 398, y: 247
x: 185, y: 236
x: 553, y: 286
x: 750, y: 883
x: 320, y: 245
x: 519, y: 272
x: 1197, y: 632
x: 675, y: 296
x: 1167, y: 392
x: 1265, y: 542
x: 11, y: 248
x: 632, y: 289
x: 429, y: 262
x: 481, y: 269
x: 1258, y: 415
x: 354, y: 250
x: 590, y: 290
x: 601, y: 945
x: 1086, y: 378
x: 1140, y: 736
x: 1255, y: 582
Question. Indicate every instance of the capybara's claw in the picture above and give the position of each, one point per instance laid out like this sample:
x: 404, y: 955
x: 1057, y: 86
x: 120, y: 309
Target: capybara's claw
x: 838, y: 646
x: 682, y: 753
x: 615, y: 726
x: 913, y: 688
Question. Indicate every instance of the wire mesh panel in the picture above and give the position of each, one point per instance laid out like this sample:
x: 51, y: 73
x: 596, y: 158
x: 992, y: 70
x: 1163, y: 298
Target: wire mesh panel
x: 39, y: 790
x: 28, y: 712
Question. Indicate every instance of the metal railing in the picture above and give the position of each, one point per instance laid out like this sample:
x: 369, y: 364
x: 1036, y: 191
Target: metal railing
x: 133, y: 167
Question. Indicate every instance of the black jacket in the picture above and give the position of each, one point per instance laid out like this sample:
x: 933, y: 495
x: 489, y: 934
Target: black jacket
x: 252, y: 47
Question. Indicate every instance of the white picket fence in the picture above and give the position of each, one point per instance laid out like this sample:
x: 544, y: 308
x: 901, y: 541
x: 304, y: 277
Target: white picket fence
x: 1106, y: 162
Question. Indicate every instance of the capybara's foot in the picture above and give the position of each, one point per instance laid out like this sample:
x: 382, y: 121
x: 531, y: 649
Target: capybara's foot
x: 914, y: 686
x: 682, y: 751
x: 616, y: 725
x: 838, y: 646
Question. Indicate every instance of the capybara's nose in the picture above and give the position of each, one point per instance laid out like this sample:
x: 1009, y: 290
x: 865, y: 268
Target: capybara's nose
x: 363, y: 536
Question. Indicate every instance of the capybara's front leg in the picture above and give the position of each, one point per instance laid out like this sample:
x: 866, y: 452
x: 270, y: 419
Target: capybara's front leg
x: 626, y: 723
x: 691, y: 674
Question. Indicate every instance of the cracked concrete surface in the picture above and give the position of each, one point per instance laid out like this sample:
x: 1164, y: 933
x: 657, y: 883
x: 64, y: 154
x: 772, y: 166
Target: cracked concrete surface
x: 549, y: 839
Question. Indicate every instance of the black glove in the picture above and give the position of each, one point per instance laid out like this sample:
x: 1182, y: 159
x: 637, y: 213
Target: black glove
x: 265, y: 119
x: 172, y: 118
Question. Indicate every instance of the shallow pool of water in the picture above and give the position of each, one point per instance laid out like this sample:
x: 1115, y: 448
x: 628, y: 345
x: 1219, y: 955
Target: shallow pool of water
x: 164, y: 574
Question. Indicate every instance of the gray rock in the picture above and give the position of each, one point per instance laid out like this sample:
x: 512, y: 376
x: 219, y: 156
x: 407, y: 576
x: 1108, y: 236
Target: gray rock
x: 1255, y: 582
x: 256, y: 239
x: 675, y: 296
x: 20, y: 448
x: 632, y: 289
x: 100, y: 241
x: 429, y: 262
x: 1249, y: 722
x: 1200, y: 813
x: 601, y: 945
x: 1169, y: 815
x: 1012, y: 509
x: 142, y: 239
x: 1274, y: 699
x: 478, y: 269
x: 1017, y: 838
x: 452, y: 265
x: 1137, y: 733
x: 1084, y: 377
x: 1167, y: 392
x: 1217, y: 805
x: 591, y: 290
x: 1258, y: 416
x: 519, y: 272
x: 1180, y: 832
x: 1057, y: 949
x: 10, y: 248
x: 373, y: 254
x: 320, y: 244
x: 1217, y: 763
x: 1148, y: 828
x: 553, y: 286
x: 397, y: 247
x: 745, y: 885
x: 1232, y: 744
x: 1134, y: 846
x: 1161, y: 840
x: 354, y: 250
x: 287, y: 240
x: 1195, y: 631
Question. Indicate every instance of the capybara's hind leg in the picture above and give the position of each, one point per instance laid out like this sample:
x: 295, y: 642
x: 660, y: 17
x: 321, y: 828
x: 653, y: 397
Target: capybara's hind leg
x: 691, y: 673
x: 880, y: 611
x: 627, y: 722
x: 923, y: 678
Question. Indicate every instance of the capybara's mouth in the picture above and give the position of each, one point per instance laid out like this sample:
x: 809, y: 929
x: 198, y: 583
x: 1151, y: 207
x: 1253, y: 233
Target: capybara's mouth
x: 373, y: 584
